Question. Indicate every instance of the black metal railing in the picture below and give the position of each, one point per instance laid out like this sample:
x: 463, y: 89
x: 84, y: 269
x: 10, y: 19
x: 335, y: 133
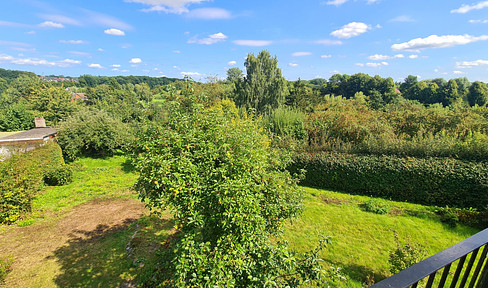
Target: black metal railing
x: 450, y: 265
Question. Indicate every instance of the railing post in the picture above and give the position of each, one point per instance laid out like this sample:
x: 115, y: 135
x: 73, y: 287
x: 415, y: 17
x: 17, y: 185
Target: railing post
x: 483, y: 283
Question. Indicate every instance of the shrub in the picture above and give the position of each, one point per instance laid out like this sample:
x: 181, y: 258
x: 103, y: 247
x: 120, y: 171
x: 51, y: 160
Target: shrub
x: 92, y: 133
x: 229, y: 194
x: 377, y: 206
x: 405, y: 255
x: 428, y: 181
x: 58, y: 176
x: 22, y: 177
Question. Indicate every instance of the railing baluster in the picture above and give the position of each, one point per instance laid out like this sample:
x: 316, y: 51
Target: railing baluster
x: 458, y: 271
x: 478, y: 267
x: 431, y: 280
x: 475, y: 273
x: 468, y: 269
x: 444, y: 275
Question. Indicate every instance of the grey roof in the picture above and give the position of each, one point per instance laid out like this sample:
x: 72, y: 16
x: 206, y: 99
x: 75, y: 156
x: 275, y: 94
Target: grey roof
x: 33, y: 134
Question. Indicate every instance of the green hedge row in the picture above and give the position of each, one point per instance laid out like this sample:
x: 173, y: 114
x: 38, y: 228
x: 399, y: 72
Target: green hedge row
x: 429, y: 181
x: 23, y: 175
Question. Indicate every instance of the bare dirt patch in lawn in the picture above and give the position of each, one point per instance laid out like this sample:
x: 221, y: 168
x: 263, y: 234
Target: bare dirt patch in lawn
x: 33, y: 247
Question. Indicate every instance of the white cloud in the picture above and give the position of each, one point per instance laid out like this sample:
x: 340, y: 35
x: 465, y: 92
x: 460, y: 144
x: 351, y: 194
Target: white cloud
x: 209, y: 14
x: 414, y: 56
x: 292, y: 64
x: 378, y: 57
x: 12, y: 43
x: 98, y: 66
x: 300, y: 54
x: 116, y: 65
x: 340, y: 2
x: 115, y: 32
x: 352, y: 29
x: 50, y: 24
x: 100, y: 50
x: 76, y: 42
x: 211, y: 39
x: 135, y: 60
x: 471, y: 64
x: 191, y: 74
x: 177, y: 52
x: 61, y: 19
x: 96, y: 18
x: 336, y: 2
x: 457, y: 72
x: 231, y: 63
x: 37, y: 62
x: 71, y: 61
x: 325, y: 56
x: 376, y: 64
x: 402, y: 18
x: 78, y: 53
x: 115, y: 69
x: 478, y: 21
x: 167, y: 6
x: 13, y: 24
x: 328, y: 42
x: 466, y: 8
x: 434, y: 41
x: 253, y: 43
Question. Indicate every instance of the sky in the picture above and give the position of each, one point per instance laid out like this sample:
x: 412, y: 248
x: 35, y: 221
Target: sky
x: 204, y: 38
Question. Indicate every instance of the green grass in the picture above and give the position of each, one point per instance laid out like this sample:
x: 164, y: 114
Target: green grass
x: 361, y: 245
x: 92, y: 179
x: 363, y: 240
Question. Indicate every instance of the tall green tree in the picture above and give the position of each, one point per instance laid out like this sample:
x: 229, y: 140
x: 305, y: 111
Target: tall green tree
x: 234, y: 74
x: 450, y: 93
x: 478, y: 94
x: 229, y: 193
x: 263, y: 89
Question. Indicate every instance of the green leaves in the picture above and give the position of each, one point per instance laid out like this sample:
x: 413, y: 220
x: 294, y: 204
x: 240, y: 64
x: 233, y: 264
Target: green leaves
x: 229, y: 194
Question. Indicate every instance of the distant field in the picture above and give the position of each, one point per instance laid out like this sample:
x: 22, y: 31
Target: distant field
x: 3, y: 134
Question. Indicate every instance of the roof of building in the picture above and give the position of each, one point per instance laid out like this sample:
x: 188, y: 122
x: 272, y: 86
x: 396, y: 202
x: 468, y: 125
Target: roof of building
x: 33, y: 134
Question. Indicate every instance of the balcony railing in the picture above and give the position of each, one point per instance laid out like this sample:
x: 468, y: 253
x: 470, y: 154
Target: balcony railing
x: 462, y: 265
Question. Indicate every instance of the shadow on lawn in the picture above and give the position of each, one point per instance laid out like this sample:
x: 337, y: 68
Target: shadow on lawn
x: 362, y: 274
x: 99, y: 258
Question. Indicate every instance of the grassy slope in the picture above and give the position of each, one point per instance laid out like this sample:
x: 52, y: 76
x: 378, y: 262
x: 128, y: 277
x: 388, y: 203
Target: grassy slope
x: 362, y: 240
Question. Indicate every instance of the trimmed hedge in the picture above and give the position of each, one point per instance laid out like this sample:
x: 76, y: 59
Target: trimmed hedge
x: 22, y: 176
x: 428, y: 181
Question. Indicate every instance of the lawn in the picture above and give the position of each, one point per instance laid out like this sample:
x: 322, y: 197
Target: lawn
x: 363, y: 240
x: 93, y: 232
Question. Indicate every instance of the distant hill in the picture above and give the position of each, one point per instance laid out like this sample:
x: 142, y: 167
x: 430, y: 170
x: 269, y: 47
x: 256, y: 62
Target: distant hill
x: 92, y: 81
x: 10, y: 75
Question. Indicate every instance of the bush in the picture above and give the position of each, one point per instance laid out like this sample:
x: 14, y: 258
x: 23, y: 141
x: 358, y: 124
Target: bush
x: 22, y: 177
x: 58, y: 176
x: 229, y: 194
x: 405, y: 255
x: 92, y: 133
x: 377, y: 206
x: 428, y: 181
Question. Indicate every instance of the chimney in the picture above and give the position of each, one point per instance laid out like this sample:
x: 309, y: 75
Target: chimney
x: 40, y: 122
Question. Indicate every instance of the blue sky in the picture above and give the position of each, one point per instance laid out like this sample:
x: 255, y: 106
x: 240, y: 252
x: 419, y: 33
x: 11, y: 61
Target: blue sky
x: 202, y: 38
